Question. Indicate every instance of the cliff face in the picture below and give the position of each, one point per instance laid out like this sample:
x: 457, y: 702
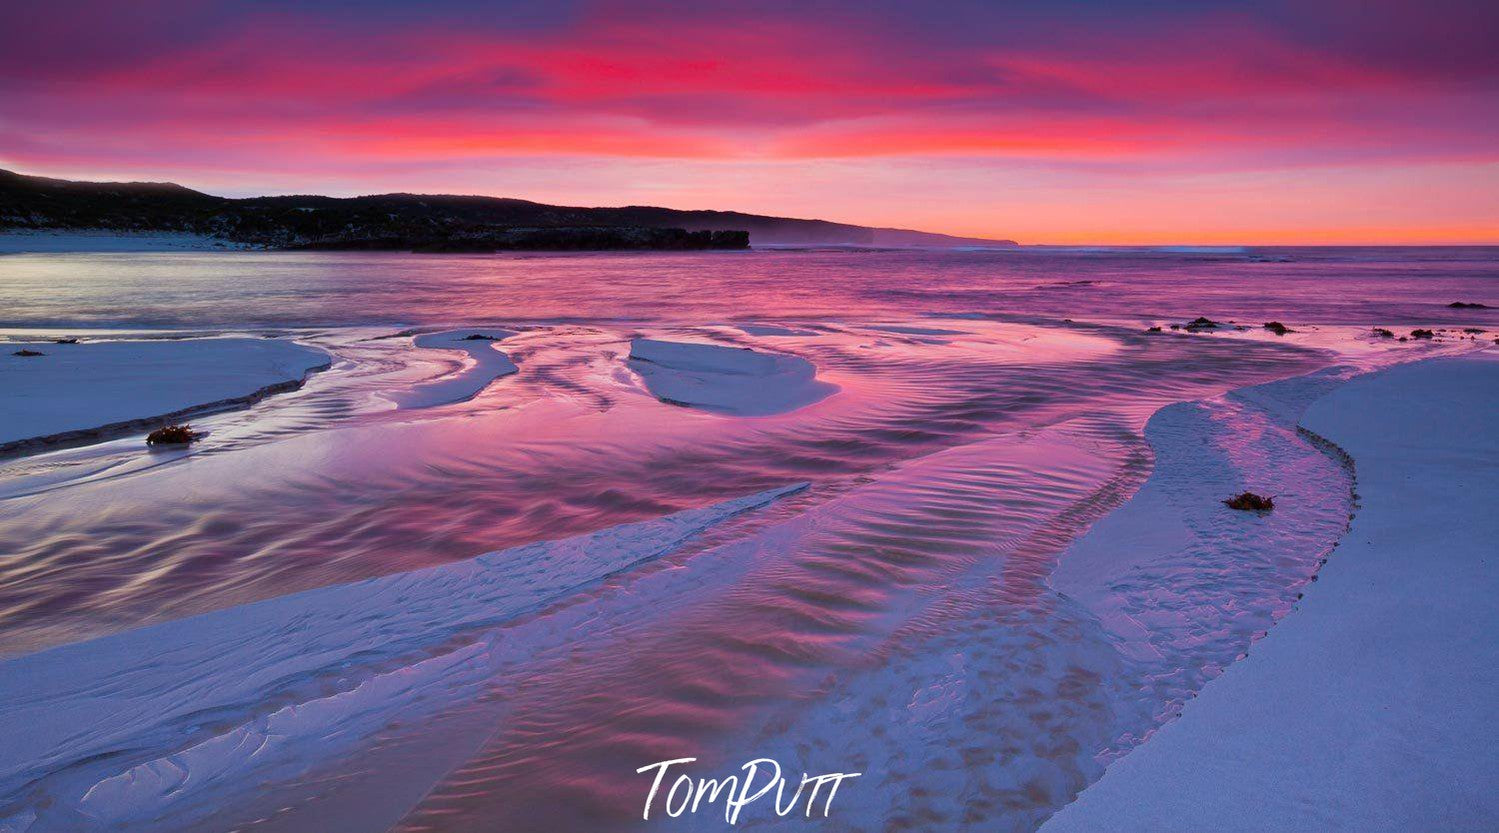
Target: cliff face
x: 401, y: 221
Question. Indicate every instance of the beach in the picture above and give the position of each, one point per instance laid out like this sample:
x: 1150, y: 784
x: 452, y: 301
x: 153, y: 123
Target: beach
x: 1369, y: 708
x: 842, y: 417
x: 491, y: 558
x: 66, y: 390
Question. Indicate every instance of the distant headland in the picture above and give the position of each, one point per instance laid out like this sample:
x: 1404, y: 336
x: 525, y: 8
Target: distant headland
x: 416, y: 222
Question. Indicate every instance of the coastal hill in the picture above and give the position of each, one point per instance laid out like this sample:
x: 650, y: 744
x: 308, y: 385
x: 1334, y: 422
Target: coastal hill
x: 416, y: 221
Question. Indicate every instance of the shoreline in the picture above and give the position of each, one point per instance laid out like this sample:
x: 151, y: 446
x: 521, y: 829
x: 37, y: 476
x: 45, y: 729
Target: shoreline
x: 484, y: 364
x: 387, y: 642
x: 110, y: 241
x: 98, y: 722
x: 65, y: 240
x: 1257, y: 442
x: 89, y: 436
x: 1385, y: 661
x: 205, y: 366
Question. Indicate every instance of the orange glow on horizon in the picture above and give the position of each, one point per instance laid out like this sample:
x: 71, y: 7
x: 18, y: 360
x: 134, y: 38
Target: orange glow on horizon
x: 1217, y: 123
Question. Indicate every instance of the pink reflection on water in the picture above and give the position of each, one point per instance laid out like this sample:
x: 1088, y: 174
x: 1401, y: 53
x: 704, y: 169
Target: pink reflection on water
x: 900, y: 615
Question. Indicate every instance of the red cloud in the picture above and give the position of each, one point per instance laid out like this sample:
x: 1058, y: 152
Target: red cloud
x: 1196, y: 91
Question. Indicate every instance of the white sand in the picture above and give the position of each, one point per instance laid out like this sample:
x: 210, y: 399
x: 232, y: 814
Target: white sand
x: 1372, y: 707
x: 485, y: 364
x: 75, y: 392
x: 726, y: 380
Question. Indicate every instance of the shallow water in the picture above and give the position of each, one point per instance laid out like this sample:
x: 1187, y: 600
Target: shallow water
x: 895, y: 617
x: 1362, y: 286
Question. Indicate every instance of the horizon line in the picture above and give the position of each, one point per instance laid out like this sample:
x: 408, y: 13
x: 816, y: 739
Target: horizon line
x: 1064, y: 242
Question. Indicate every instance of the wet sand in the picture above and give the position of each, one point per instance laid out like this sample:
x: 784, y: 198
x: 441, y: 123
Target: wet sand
x: 1369, y: 708
x: 71, y: 393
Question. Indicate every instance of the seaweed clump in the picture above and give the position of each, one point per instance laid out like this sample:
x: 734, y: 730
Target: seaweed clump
x: 1422, y: 334
x: 478, y: 337
x: 173, y: 435
x: 1383, y: 333
x: 1278, y: 328
x: 1250, y: 502
x: 1201, y: 323
x: 1155, y: 329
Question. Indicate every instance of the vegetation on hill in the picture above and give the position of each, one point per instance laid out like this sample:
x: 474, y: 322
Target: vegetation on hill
x: 410, y: 221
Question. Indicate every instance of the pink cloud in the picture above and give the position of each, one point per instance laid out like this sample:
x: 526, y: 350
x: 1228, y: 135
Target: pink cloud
x: 1139, y: 92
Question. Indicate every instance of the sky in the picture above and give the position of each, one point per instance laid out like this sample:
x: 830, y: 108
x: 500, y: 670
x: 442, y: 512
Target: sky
x: 1045, y: 121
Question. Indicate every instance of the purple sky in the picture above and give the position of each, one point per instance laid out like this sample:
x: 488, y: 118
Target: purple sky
x: 1046, y: 121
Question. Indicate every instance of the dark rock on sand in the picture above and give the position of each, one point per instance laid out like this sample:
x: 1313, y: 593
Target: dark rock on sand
x: 1278, y: 328
x: 1250, y: 502
x: 1422, y: 334
x: 173, y: 435
x: 1467, y: 305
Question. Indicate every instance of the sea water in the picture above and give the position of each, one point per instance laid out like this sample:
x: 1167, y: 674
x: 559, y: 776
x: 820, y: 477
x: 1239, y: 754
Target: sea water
x: 938, y: 596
